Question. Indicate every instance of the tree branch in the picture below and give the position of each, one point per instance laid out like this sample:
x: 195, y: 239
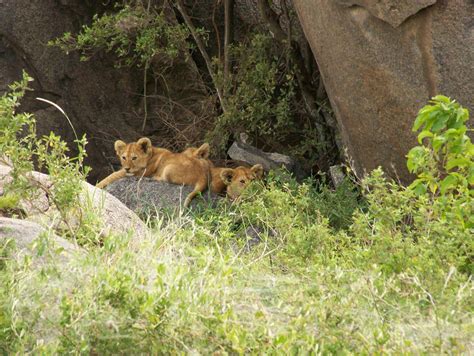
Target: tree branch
x: 202, y: 49
x: 228, y: 34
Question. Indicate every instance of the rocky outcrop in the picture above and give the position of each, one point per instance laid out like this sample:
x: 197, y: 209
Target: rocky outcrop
x: 24, y: 233
x: 146, y: 196
x: 381, y: 61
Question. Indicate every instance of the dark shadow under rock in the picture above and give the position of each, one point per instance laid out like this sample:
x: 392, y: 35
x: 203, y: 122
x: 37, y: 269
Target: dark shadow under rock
x: 146, y: 196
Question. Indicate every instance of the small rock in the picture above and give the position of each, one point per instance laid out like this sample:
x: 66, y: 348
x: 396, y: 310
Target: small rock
x: 269, y: 160
x: 254, y: 235
x: 337, y: 175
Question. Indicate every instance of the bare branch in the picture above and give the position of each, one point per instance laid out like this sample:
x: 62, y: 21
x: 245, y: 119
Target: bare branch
x: 228, y: 20
x: 202, y: 49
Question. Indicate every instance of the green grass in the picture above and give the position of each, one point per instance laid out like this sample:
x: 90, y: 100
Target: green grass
x: 193, y: 285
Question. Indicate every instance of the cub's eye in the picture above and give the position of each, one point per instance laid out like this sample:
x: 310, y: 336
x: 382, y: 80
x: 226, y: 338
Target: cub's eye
x: 134, y: 158
x: 124, y: 158
x: 242, y: 181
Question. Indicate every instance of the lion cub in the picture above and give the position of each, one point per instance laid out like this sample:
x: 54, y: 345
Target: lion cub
x: 237, y: 179
x: 232, y: 180
x: 216, y: 185
x: 142, y: 159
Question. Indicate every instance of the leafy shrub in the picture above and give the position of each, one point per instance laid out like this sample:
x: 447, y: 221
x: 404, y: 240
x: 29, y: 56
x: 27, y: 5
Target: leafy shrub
x: 445, y: 164
x: 261, y: 100
x: 134, y: 34
x: 20, y: 147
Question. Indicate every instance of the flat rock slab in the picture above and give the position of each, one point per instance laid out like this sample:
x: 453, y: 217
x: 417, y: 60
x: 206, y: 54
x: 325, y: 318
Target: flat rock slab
x: 146, y: 196
x: 244, y: 152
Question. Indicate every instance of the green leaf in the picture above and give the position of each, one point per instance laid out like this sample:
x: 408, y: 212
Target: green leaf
x: 438, y: 141
x: 447, y: 183
x: 418, y: 187
x: 458, y: 162
x: 423, y: 135
x: 439, y: 122
x: 441, y: 99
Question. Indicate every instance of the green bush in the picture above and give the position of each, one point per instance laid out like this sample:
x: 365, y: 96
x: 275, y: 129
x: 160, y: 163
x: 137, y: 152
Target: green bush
x: 20, y: 147
x: 445, y: 164
x: 262, y: 100
x: 135, y: 35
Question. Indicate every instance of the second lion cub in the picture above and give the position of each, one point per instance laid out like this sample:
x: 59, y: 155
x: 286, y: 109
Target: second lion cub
x: 232, y: 181
x: 142, y: 159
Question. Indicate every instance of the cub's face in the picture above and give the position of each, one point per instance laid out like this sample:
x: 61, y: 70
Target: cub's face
x: 134, y: 156
x: 239, y: 178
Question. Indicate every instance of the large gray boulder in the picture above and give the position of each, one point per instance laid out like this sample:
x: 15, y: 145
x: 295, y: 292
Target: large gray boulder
x: 24, y: 233
x: 113, y: 216
x: 146, y: 196
x: 382, y: 60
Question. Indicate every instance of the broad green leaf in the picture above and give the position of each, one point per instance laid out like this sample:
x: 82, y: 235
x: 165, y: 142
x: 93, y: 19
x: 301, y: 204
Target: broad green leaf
x: 458, y: 162
x: 438, y: 141
x: 441, y: 99
x: 449, y: 182
x: 471, y: 177
x: 439, y: 122
x: 418, y: 187
x: 423, y: 135
x: 419, y: 121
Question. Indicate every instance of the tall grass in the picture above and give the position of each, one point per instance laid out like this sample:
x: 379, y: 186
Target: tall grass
x: 194, y: 285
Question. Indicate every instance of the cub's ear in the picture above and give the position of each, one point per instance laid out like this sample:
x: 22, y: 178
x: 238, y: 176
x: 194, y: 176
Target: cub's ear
x: 226, y: 175
x: 119, y: 146
x: 144, y: 143
x: 203, y: 151
x: 257, y: 170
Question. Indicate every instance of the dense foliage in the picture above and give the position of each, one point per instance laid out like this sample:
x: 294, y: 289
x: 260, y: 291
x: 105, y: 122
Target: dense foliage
x: 291, y: 268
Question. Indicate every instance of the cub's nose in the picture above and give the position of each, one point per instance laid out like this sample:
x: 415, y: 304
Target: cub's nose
x: 127, y: 170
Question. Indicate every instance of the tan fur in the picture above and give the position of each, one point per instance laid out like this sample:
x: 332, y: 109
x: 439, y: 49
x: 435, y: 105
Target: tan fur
x: 142, y: 159
x: 217, y: 185
x: 237, y: 179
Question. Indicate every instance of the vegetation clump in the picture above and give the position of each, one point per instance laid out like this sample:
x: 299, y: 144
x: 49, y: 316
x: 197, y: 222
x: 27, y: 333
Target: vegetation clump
x: 133, y: 34
x: 291, y: 268
x: 20, y: 147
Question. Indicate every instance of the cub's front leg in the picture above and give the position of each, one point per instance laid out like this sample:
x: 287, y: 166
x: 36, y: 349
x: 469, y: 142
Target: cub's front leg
x: 111, y: 178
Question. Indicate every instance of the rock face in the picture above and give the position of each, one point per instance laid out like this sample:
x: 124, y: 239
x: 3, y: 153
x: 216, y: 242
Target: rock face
x: 147, y: 196
x: 382, y: 60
